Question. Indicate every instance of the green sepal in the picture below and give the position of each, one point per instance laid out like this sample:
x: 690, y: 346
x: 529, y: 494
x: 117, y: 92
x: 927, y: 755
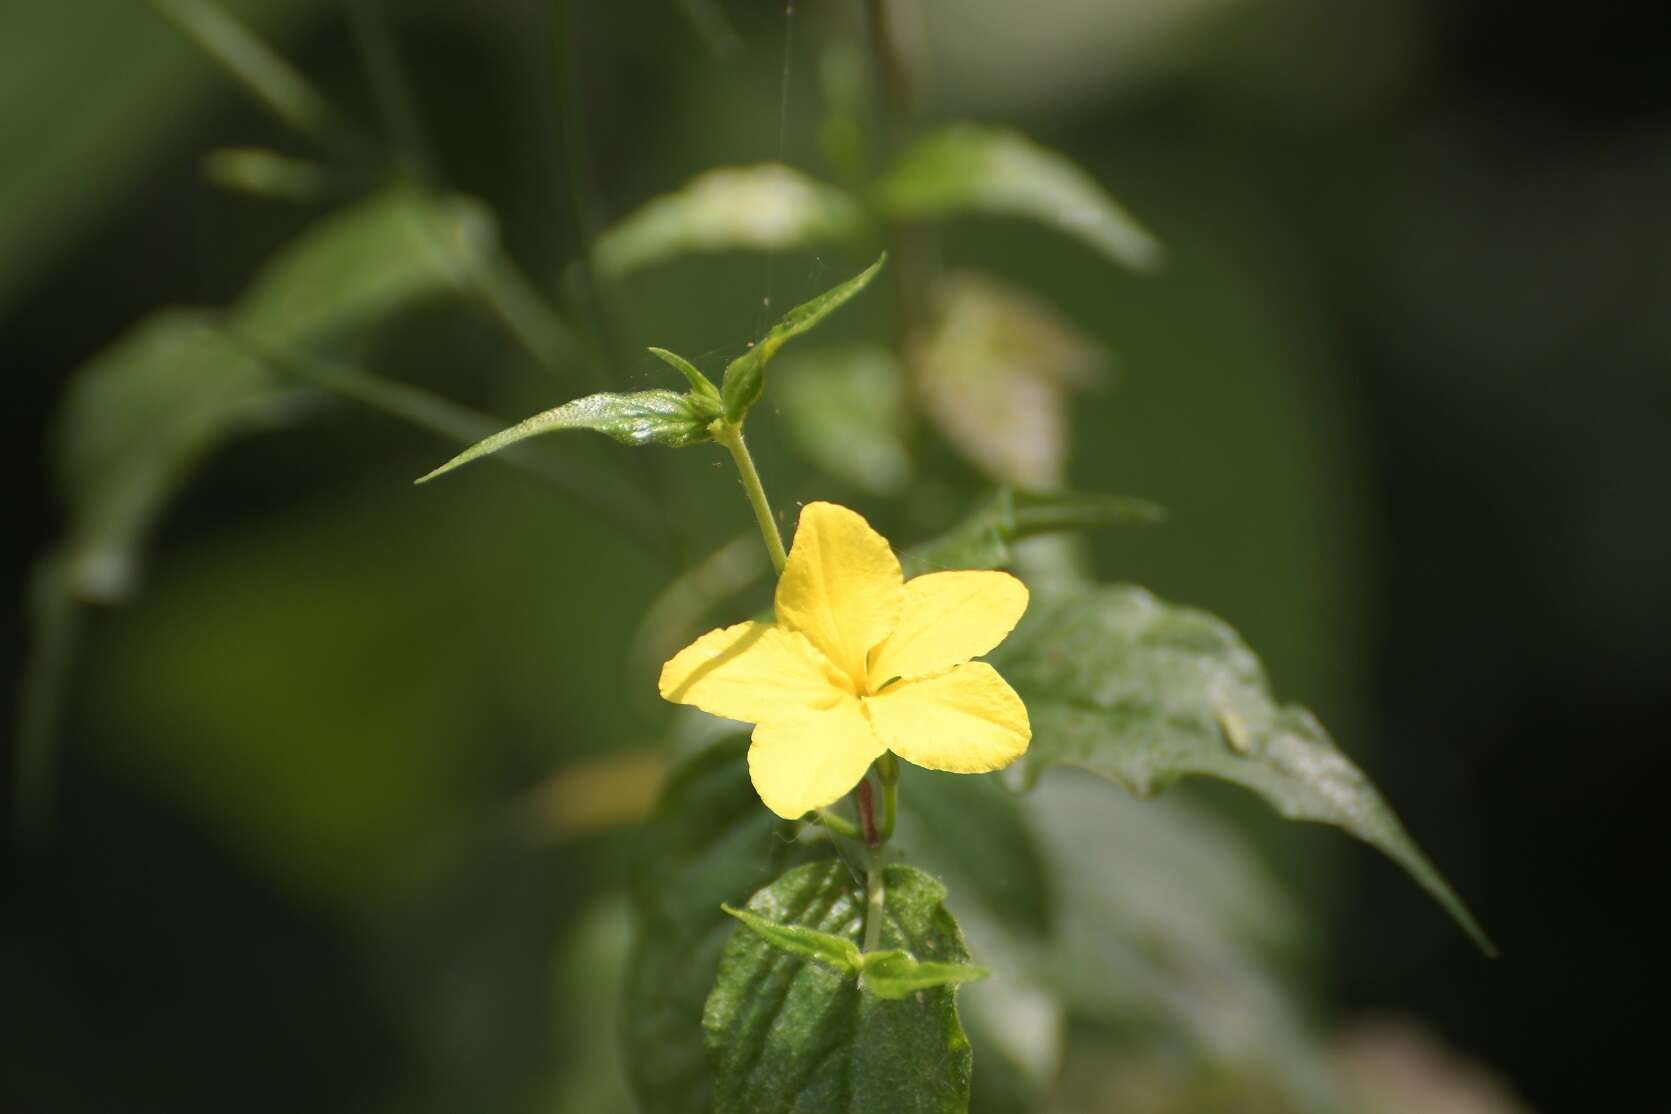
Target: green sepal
x: 784, y: 1032
x: 895, y: 973
x: 745, y: 377
x: 699, y: 383
x: 825, y: 947
x: 982, y: 540
x: 658, y: 417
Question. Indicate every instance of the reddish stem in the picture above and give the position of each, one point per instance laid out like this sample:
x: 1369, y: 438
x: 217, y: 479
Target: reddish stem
x: 867, y: 814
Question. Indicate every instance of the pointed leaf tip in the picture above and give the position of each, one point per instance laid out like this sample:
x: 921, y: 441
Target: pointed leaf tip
x: 658, y: 417
x: 745, y: 377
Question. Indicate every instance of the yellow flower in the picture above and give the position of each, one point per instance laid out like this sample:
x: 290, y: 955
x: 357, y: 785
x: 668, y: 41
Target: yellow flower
x: 860, y: 662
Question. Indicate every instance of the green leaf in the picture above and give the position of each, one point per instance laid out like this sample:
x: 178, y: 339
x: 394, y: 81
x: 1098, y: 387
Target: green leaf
x: 711, y: 842
x: 784, y: 1033
x: 745, y: 377
x: 699, y: 383
x: 359, y: 266
x: 767, y: 207
x: 994, y: 367
x: 104, y: 96
x: 976, y: 168
x: 896, y: 973
x: 846, y: 410
x: 982, y: 541
x: 657, y: 417
x: 268, y: 174
x: 970, y: 833
x: 1180, y: 940
x: 135, y: 423
x: 1145, y: 692
x: 835, y: 951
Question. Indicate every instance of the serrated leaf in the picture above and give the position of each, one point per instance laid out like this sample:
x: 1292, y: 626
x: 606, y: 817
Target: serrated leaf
x: 846, y: 410
x: 710, y: 842
x: 745, y: 377
x: 983, y: 169
x: 784, y: 1033
x: 982, y: 540
x: 834, y: 951
x: 1144, y: 692
x: 767, y: 207
x: 994, y: 367
x: 896, y: 973
x: 657, y: 417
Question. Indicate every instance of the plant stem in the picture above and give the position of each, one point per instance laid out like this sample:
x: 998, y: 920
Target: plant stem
x: 837, y: 823
x: 887, y: 772
x: 731, y: 436
x: 874, y: 903
x: 255, y: 65
x: 396, y: 100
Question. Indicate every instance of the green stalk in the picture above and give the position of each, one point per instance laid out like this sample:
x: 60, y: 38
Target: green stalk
x: 731, y: 436
x: 272, y: 80
x: 874, y: 900
x: 837, y: 823
x: 887, y: 772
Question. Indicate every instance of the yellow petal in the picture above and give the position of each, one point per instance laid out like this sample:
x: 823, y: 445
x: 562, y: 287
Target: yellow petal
x: 751, y: 672
x: 842, y: 587
x: 949, y: 617
x: 967, y: 720
x: 810, y: 761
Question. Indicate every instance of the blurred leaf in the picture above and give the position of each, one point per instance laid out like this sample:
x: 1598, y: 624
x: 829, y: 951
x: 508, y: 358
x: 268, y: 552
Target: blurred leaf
x: 846, y: 411
x: 587, y: 992
x: 72, y: 146
x: 783, y: 1033
x: 982, y: 169
x: 766, y: 207
x: 711, y: 842
x: 139, y: 419
x: 1396, y: 1065
x: 745, y: 377
x: 994, y: 368
x: 263, y: 73
x: 1144, y: 692
x: 267, y: 174
x: 982, y: 540
x: 134, y: 425
x: 711, y: 23
x: 836, y: 952
x: 285, y: 684
x: 658, y: 417
x: 895, y: 973
x: 1176, y: 936
x: 970, y: 833
x: 354, y: 268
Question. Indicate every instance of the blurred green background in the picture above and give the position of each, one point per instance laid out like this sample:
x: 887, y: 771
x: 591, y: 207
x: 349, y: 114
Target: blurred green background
x: 1403, y: 387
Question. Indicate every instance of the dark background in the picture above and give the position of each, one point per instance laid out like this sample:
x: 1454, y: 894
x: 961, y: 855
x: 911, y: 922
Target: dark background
x: 1406, y: 390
